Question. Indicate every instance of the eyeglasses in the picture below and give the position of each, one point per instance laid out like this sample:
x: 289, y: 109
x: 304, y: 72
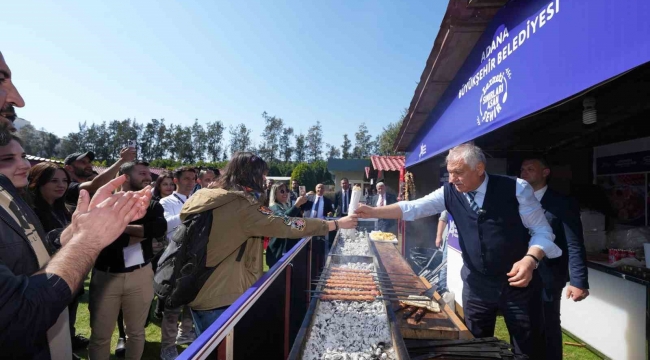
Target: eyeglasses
x: 282, y: 191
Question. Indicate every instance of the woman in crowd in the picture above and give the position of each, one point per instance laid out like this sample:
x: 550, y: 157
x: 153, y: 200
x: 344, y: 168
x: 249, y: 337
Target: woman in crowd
x: 239, y: 221
x: 48, y: 184
x: 164, y: 186
x: 281, y: 205
x: 25, y: 250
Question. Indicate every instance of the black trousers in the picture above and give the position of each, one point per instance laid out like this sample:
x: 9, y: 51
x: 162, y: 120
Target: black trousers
x: 484, y: 297
x: 552, y: 300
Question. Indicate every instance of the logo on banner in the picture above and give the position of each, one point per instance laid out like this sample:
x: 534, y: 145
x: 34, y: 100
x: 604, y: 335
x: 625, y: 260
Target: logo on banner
x: 493, y: 97
x: 423, y: 150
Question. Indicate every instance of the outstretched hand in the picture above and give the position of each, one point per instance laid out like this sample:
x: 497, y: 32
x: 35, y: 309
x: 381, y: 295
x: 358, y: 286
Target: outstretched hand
x: 348, y: 222
x: 364, y: 211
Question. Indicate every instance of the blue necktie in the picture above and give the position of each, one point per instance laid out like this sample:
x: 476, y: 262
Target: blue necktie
x: 472, y: 203
x: 315, y: 214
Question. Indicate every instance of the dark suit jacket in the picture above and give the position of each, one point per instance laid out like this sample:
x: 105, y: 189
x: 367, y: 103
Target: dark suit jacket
x: 563, y: 214
x: 385, y: 225
x: 390, y: 199
x: 338, y: 202
x: 327, y: 207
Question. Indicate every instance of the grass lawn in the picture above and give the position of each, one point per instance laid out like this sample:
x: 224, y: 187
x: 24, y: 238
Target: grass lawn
x: 570, y: 352
x: 151, y: 347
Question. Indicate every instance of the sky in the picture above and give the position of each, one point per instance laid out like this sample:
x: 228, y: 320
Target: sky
x: 339, y: 62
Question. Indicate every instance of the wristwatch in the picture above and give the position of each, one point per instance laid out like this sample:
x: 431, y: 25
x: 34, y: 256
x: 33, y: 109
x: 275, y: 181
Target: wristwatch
x: 534, y: 258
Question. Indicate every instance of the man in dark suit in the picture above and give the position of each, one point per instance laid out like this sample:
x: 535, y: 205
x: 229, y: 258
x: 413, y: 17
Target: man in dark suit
x: 384, y: 199
x: 342, y: 198
x: 318, y: 206
x: 564, y: 216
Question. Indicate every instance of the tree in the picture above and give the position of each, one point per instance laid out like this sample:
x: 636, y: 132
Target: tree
x: 386, y: 140
x: 301, y: 148
x: 345, y: 148
x: 199, y: 141
x: 286, y: 150
x: 332, y: 151
x: 240, y: 138
x: 321, y: 174
x: 31, y: 139
x: 304, y: 175
x: 314, y: 142
x: 49, y: 143
x: 363, y: 143
x: 269, y: 149
x: 215, y: 138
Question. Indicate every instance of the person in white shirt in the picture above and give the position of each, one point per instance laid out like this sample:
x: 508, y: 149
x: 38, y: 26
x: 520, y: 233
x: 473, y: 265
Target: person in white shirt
x: 503, y: 234
x: 171, y: 333
x: 384, y: 199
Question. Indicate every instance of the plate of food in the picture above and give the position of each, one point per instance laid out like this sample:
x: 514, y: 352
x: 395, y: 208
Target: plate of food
x: 383, y: 236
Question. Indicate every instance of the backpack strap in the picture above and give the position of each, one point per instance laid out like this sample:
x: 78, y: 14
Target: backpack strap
x: 242, y: 249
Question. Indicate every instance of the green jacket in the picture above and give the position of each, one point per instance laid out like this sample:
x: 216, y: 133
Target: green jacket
x: 279, y: 246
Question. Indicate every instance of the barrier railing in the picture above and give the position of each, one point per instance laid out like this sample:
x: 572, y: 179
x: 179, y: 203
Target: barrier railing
x: 264, y: 321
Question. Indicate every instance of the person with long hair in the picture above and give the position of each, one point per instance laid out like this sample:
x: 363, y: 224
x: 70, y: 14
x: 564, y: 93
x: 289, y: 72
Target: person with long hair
x: 239, y: 221
x: 164, y: 186
x: 48, y: 184
x: 280, y: 203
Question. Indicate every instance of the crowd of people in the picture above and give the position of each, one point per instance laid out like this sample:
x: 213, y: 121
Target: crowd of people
x: 60, y: 223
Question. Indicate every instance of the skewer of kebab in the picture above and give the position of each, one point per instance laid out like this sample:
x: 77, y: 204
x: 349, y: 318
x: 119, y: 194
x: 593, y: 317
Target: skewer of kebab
x: 359, y: 271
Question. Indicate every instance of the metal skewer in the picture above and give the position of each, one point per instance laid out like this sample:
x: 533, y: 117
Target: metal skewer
x: 382, y: 292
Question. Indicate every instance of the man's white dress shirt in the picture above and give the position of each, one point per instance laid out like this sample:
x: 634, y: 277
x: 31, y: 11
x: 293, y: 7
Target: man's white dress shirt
x: 530, y: 210
x: 318, y: 213
x: 381, y: 201
x: 539, y: 194
x: 173, y: 205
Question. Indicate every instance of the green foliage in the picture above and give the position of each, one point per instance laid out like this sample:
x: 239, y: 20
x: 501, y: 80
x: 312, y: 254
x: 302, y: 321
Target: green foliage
x: 311, y: 174
x: 345, y: 148
x: 304, y: 175
x: 386, y: 140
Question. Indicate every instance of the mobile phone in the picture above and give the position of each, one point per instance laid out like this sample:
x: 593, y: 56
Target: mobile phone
x: 131, y: 144
x: 302, y: 190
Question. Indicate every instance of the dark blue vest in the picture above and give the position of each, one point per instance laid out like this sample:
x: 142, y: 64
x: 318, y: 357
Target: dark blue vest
x: 494, y: 240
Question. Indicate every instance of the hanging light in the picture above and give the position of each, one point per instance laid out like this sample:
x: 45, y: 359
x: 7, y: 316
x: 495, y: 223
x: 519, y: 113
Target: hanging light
x: 589, y: 115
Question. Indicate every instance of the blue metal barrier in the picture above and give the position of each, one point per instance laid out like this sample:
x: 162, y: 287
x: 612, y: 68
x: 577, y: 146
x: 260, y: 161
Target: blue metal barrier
x: 264, y: 321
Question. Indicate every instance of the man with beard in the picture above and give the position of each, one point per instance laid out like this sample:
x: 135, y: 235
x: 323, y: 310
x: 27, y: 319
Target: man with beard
x: 79, y: 166
x: 122, y: 276
x: 9, y: 97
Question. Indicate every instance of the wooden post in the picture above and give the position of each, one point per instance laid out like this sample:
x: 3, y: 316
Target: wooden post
x: 287, y: 308
x: 225, y: 348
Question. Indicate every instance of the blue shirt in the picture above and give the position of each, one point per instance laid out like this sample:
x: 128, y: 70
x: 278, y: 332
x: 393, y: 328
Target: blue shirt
x: 530, y: 210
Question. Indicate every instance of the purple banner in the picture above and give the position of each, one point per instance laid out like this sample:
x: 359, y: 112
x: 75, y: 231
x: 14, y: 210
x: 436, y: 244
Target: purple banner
x: 533, y: 54
x: 452, y: 233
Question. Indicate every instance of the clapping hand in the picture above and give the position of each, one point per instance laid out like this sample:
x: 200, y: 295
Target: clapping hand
x: 106, y: 216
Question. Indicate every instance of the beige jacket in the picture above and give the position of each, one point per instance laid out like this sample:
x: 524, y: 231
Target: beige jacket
x: 235, y: 246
